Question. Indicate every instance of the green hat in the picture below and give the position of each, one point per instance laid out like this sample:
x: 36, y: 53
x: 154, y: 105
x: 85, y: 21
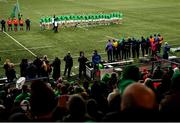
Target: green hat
x: 175, y: 81
x: 106, y: 78
x: 123, y: 84
x: 131, y: 72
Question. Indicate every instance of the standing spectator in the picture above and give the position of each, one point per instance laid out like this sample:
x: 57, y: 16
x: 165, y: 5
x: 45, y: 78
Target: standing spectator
x: 96, y: 59
x: 21, y: 23
x: 137, y: 48
x: 166, y: 49
x: 143, y: 45
x: 7, y: 67
x: 15, y: 22
x: 68, y: 64
x: 38, y: 63
x: 11, y: 73
x: 28, y: 23
x: 23, y: 67
x: 134, y: 43
x: 147, y: 46
x: 3, y: 25
x: 56, y: 64
x: 82, y: 64
x: 160, y: 41
x: 109, y: 49
x: 115, y: 50
x: 31, y: 71
x: 9, y: 23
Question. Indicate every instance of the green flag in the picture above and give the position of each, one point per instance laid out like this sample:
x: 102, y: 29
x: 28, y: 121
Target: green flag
x: 15, y: 10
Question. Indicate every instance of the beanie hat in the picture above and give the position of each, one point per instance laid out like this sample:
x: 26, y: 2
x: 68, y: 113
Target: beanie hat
x: 131, y: 72
x: 123, y: 84
x: 175, y: 81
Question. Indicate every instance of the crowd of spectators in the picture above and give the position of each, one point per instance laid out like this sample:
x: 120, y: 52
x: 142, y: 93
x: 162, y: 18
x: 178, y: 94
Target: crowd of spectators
x: 114, y: 98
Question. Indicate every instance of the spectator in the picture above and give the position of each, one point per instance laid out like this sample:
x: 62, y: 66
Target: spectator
x: 31, y: 71
x: 56, y: 64
x: 68, y: 64
x: 42, y: 101
x: 82, y: 64
x: 109, y: 50
x: 128, y: 78
x: 93, y: 111
x: 137, y: 101
x: 23, y: 67
x: 166, y: 49
x: 38, y: 63
x: 7, y: 67
x: 158, y: 73
x: 77, y: 110
x: 24, y: 95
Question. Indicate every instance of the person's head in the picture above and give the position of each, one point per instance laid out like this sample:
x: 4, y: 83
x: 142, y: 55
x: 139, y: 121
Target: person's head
x: 115, y: 102
x: 92, y: 106
x: 7, y: 61
x: 137, y: 96
x: 76, y: 106
x: 95, y: 51
x: 109, y: 40
x: 150, y: 36
x: 81, y: 53
x: 69, y: 53
x: 131, y: 72
x: 42, y: 100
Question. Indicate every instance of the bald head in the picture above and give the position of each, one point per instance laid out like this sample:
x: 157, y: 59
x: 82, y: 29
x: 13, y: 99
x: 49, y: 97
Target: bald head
x: 137, y: 95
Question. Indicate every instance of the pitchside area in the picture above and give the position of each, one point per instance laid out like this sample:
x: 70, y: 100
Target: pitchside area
x: 141, y: 17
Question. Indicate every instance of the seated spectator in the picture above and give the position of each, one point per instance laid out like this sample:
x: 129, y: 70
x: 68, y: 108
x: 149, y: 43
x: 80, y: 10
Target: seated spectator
x: 93, y: 111
x: 130, y: 75
x: 24, y: 95
x: 77, y: 110
x: 137, y: 102
x: 171, y: 102
x: 114, y: 114
x: 42, y: 101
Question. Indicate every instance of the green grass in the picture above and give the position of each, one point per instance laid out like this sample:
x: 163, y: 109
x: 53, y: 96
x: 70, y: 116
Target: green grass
x: 141, y: 17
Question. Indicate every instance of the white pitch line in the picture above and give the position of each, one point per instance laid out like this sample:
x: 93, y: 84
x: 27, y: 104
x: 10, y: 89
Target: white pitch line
x: 20, y: 44
x: 83, y: 28
x: 111, y: 37
x: 32, y: 48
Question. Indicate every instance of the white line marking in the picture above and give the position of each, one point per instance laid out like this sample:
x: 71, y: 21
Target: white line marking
x: 20, y: 44
x: 111, y: 37
x: 83, y: 28
x: 33, y: 48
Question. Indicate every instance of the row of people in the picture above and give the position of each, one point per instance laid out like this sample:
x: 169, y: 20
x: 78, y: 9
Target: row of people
x: 127, y: 48
x: 113, y: 99
x: 41, y: 67
x: 15, y: 23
